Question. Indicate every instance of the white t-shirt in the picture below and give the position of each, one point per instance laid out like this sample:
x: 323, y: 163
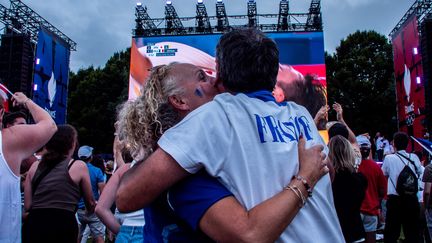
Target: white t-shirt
x: 379, y: 143
x: 386, y: 147
x: 251, y: 146
x: 392, y: 167
x: 10, y: 202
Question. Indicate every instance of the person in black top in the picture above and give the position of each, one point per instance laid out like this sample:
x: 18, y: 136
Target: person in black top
x: 349, y: 188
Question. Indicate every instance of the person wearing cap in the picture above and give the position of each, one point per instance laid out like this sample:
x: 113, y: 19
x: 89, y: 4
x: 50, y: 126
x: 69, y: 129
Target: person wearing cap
x: 375, y: 191
x: 16, y: 144
x: 97, y: 179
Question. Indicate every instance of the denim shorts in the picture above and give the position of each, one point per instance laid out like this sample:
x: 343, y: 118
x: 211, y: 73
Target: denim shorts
x: 130, y: 234
x: 370, y: 222
x: 97, y: 228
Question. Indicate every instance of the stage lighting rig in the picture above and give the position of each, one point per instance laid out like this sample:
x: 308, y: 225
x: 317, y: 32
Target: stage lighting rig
x: 222, y: 19
x: 23, y: 20
x: 252, y: 13
x: 283, y: 21
x: 314, y: 20
x: 144, y: 24
x: 202, y: 22
x: 173, y: 23
x: 286, y: 21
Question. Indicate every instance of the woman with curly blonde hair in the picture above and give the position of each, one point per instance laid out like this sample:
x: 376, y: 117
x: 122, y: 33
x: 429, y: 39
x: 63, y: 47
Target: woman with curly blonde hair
x: 349, y: 188
x: 200, y: 201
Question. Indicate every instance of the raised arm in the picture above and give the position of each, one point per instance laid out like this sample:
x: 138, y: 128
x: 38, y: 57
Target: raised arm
x: 117, y: 152
x: 21, y: 141
x: 228, y: 221
x: 322, y: 114
x: 339, y: 115
x: 107, y: 199
x: 144, y: 182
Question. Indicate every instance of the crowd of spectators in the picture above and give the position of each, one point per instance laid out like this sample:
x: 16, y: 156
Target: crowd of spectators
x: 236, y: 158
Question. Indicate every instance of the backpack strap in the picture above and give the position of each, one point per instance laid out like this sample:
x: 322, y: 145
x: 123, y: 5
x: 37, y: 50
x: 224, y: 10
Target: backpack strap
x: 412, y: 162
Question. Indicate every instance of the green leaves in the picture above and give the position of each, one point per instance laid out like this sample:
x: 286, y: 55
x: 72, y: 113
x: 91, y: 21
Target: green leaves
x: 94, y: 95
x: 360, y: 77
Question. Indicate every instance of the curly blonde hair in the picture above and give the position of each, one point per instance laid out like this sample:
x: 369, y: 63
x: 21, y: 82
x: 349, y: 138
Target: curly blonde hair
x: 341, y: 154
x: 143, y: 121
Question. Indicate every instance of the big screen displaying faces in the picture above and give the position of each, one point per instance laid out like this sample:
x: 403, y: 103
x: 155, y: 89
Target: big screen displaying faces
x: 300, y: 52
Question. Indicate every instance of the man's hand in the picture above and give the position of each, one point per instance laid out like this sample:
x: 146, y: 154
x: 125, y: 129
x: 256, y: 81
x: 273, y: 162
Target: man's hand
x: 312, y: 163
x: 19, y: 99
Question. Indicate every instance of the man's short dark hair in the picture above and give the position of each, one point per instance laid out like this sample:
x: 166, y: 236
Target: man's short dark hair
x: 10, y: 117
x: 247, y: 61
x: 400, y: 140
x: 365, y: 152
x: 338, y: 129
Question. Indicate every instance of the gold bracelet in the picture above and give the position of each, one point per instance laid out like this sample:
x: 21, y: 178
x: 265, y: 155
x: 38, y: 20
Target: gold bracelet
x: 301, y: 194
x: 301, y: 199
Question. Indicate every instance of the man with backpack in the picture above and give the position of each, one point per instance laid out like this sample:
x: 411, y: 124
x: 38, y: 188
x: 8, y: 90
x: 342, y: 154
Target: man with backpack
x: 402, y: 170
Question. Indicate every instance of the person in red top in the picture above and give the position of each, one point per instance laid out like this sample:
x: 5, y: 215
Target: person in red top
x: 375, y: 191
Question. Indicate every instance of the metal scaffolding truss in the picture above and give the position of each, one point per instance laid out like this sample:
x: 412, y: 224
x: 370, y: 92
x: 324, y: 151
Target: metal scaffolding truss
x: 314, y: 20
x: 202, y: 22
x: 173, y: 23
x: 222, y: 18
x: 252, y: 13
x: 22, y: 19
x: 283, y: 21
x: 143, y: 21
x: 421, y: 8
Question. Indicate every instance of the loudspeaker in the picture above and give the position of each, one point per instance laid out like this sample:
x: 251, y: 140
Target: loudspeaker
x: 16, y: 62
x: 426, y: 52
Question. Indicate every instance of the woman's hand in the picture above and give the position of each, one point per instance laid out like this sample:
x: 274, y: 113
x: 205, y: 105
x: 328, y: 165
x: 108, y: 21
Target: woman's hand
x: 312, y: 162
x: 339, y: 111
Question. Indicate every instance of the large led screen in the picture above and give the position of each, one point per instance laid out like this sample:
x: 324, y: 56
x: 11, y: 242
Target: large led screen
x: 410, y: 91
x: 302, y: 51
x: 51, y: 76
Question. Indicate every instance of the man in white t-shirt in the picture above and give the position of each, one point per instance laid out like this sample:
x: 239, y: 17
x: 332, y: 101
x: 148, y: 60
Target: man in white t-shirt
x: 379, y: 146
x: 244, y: 138
x: 402, y: 210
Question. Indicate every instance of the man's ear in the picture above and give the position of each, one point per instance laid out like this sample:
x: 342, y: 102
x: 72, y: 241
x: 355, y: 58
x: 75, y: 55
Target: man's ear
x: 178, y: 103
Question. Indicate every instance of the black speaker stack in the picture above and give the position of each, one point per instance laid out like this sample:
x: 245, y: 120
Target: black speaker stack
x: 16, y: 62
x: 426, y: 51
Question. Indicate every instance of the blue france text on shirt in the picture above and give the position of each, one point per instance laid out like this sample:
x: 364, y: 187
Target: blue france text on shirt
x: 274, y: 130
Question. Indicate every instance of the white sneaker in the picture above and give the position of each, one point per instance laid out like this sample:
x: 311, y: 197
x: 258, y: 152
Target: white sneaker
x: 379, y: 236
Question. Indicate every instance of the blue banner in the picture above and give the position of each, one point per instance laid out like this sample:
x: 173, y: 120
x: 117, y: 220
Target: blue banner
x: 51, y: 76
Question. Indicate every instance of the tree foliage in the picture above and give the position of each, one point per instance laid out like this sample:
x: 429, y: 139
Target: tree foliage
x: 360, y: 78
x: 94, y: 94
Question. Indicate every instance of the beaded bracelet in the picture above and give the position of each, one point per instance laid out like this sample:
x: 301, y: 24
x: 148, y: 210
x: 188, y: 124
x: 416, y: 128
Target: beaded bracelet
x: 305, y: 183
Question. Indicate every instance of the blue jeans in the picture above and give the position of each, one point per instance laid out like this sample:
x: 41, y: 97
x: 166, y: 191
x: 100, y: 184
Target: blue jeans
x: 130, y: 234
